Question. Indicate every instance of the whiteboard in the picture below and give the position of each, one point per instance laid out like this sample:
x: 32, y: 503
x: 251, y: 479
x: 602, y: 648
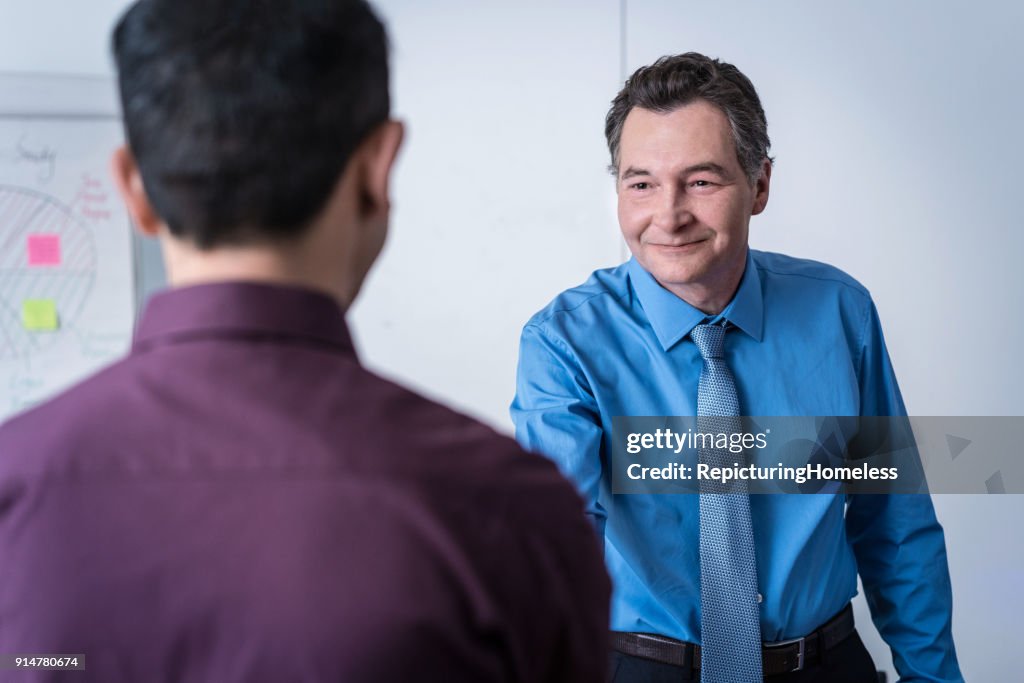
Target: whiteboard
x: 67, y: 283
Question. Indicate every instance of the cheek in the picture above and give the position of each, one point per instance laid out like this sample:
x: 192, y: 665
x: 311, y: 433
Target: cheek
x: 726, y: 218
x: 631, y: 220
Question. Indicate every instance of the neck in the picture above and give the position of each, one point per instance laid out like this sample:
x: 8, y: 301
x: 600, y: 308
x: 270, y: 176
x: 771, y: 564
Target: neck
x: 712, y: 297
x: 295, y: 264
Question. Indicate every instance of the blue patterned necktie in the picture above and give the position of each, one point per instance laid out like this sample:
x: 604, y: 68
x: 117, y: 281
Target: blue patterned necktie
x: 729, y: 622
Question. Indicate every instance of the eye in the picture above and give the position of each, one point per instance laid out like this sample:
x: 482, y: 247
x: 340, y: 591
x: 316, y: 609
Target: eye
x: 701, y: 183
x: 640, y: 186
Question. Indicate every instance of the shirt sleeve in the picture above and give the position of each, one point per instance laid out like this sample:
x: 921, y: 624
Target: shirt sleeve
x: 899, y: 546
x: 555, y: 414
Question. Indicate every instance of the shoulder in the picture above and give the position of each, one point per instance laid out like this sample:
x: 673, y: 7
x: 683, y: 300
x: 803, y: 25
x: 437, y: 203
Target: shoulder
x: 781, y: 267
x: 84, y: 417
x: 573, y: 317
x: 811, y: 285
x: 605, y: 288
x: 436, y: 452
x: 519, y: 502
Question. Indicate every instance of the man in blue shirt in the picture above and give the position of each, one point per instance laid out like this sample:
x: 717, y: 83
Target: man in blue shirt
x: 689, y: 149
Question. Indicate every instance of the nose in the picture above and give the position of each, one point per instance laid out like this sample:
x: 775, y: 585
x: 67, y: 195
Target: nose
x: 672, y: 211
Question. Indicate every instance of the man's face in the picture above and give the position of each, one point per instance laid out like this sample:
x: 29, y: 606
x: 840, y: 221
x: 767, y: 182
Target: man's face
x: 685, y: 203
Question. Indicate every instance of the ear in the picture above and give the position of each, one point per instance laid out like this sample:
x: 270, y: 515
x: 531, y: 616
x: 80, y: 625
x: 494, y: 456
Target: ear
x: 380, y: 149
x: 129, y: 184
x: 761, y: 188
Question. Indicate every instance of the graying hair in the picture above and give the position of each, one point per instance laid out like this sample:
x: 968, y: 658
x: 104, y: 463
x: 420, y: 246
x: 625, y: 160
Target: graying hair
x: 677, y: 80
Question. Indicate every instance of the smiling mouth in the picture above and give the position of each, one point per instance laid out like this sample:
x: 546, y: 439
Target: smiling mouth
x: 688, y: 246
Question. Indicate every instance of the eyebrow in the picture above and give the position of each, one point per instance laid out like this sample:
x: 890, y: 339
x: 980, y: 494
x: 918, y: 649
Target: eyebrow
x: 707, y: 166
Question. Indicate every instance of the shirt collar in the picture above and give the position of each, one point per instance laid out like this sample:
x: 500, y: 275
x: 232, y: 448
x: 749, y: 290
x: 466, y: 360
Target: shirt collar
x: 672, y: 318
x: 242, y: 309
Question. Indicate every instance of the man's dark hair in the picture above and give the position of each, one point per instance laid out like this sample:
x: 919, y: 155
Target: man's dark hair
x: 242, y: 114
x: 675, y: 81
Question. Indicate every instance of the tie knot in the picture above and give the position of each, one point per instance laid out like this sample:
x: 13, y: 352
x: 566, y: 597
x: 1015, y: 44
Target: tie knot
x: 709, y: 340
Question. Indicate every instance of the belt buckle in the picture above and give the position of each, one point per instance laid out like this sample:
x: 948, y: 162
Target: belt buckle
x: 799, y: 653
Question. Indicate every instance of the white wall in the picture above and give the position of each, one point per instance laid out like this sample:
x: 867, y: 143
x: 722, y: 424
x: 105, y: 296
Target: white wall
x: 502, y: 199
x: 57, y: 36
x: 894, y: 125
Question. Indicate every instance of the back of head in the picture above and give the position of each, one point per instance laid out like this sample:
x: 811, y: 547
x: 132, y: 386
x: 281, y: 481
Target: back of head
x: 677, y: 80
x: 242, y: 114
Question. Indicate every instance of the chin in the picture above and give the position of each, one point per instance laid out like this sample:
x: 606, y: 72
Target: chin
x: 674, y: 281
x: 673, y: 273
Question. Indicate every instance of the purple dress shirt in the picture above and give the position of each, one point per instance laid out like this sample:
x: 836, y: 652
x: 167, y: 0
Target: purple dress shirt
x: 240, y: 500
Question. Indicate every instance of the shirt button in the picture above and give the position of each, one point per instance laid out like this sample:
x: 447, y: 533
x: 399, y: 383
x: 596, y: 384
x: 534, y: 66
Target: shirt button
x: 760, y: 598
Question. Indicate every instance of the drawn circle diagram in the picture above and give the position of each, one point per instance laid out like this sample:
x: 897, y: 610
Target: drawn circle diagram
x: 66, y: 280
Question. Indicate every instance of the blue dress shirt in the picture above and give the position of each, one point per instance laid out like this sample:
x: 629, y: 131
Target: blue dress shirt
x: 807, y: 341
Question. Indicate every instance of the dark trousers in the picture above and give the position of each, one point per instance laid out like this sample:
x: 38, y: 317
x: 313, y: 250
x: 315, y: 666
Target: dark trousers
x: 847, y: 662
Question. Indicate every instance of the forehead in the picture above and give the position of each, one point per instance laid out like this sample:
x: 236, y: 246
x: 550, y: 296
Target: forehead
x: 694, y: 133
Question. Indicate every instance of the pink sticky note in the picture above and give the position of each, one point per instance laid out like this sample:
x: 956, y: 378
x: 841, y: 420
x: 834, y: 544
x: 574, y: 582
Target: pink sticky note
x: 44, y: 250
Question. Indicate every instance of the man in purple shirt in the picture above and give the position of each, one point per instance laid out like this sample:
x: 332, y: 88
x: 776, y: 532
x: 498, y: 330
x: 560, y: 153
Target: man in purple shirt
x: 239, y: 499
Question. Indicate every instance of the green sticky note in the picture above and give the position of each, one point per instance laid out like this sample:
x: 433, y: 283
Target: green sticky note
x: 39, y: 314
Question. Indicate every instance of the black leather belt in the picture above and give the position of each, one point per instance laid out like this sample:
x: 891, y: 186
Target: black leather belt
x: 777, y: 658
